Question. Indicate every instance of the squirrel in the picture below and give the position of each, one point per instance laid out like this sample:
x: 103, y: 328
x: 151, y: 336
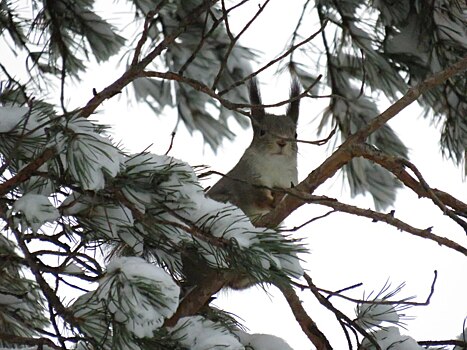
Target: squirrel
x: 269, y: 162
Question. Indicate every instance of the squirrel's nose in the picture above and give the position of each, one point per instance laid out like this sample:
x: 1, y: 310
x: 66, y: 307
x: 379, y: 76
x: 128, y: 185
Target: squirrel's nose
x: 281, y: 142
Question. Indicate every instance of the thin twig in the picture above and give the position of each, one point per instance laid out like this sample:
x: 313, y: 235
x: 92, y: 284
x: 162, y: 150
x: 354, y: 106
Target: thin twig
x: 144, y: 35
x: 339, y: 314
x: 296, y: 228
x: 233, y: 40
x: 432, y: 195
x: 270, y: 63
x: 384, y: 302
x: 207, y: 34
x: 172, y: 137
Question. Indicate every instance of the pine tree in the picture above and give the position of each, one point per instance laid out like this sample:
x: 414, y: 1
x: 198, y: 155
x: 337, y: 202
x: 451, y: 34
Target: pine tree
x: 96, y: 241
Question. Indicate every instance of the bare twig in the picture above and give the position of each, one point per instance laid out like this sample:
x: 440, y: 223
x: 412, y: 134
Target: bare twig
x: 455, y: 342
x: 350, y: 209
x: 144, y: 35
x: 198, y: 86
x: 389, y: 219
x: 322, y: 141
x: 270, y: 63
x: 208, y: 33
x: 296, y: 228
x: 382, y: 302
x: 172, y: 137
x: 297, y: 27
x: 234, y: 39
x: 397, y: 165
x: 431, y: 194
x: 339, y: 314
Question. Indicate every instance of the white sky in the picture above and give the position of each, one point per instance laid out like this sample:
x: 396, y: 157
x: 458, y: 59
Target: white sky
x: 343, y: 250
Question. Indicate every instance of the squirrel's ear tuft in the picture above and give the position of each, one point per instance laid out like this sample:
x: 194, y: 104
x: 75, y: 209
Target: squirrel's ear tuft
x: 293, y: 108
x: 257, y: 113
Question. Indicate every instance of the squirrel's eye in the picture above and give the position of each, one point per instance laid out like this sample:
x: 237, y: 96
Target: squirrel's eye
x: 262, y: 132
x: 296, y: 135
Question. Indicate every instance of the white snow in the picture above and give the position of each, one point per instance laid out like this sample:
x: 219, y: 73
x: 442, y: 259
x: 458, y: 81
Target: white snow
x: 128, y: 290
x: 36, y: 209
x: 390, y: 339
x: 10, y: 117
x: 198, y: 333
x: 30, y: 119
x: 91, y: 156
x: 262, y: 341
x: 373, y: 314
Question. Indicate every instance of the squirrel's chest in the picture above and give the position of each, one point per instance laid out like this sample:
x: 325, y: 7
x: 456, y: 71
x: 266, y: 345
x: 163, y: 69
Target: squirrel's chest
x: 276, y: 171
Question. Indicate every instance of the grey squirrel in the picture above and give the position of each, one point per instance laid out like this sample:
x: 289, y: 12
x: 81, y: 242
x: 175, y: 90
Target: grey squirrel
x: 270, y: 160
x: 269, y: 163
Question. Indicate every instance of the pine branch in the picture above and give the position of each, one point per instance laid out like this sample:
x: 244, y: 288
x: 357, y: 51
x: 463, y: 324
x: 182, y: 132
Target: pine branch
x: 397, y: 169
x: 343, y: 154
x: 26, y: 172
x: 397, y: 166
x: 199, y: 296
x: 135, y: 70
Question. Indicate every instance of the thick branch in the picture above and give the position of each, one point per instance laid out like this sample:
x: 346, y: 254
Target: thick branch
x: 199, y: 296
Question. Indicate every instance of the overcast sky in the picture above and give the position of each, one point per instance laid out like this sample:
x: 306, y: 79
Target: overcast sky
x: 343, y: 250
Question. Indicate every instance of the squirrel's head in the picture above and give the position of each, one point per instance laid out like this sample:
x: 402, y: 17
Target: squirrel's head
x: 274, y: 134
